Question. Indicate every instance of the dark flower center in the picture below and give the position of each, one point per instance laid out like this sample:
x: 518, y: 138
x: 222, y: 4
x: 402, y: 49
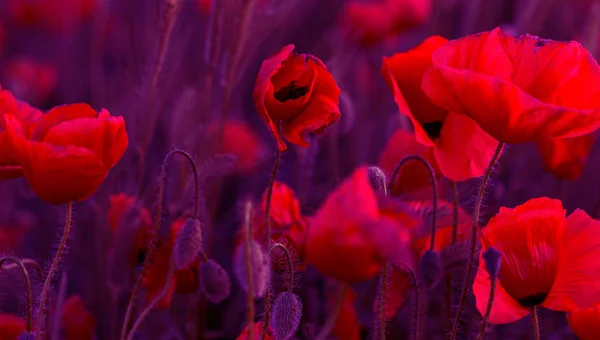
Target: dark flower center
x: 533, y: 300
x: 433, y: 129
x: 291, y: 91
x: 141, y: 256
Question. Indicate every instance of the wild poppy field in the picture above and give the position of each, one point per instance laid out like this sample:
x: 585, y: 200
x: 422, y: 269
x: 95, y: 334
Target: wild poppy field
x: 299, y: 169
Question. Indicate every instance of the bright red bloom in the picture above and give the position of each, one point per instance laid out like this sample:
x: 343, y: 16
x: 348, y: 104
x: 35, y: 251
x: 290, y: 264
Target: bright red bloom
x: 457, y: 146
x: 547, y: 260
x: 347, y: 325
x: 30, y: 79
x: 354, y: 233
x: 298, y: 91
x: 78, y: 323
x: 11, y: 326
x: 119, y: 206
x: 257, y: 329
x: 240, y: 140
x: 517, y: 89
x: 566, y: 158
x: 585, y: 323
x: 68, y: 153
x: 375, y: 21
x: 51, y: 14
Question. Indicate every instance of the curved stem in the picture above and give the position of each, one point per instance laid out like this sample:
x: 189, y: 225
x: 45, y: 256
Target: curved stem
x: 535, y: 323
x: 474, y: 230
x: 488, y: 309
x: 417, y: 324
x: 249, y: 267
x: 25, y: 274
x: 53, y: 268
x: 290, y: 263
x: 157, y: 220
x: 153, y: 304
x: 455, y: 205
x: 433, y: 184
x: 332, y: 318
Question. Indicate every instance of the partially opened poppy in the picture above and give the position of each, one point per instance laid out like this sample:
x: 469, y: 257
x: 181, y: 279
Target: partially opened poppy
x: 585, y: 323
x: 547, y: 260
x: 355, y: 232
x: 11, y: 326
x: 78, y: 323
x: 68, y: 153
x: 457, y: 146
x: 119, y: 206
x: 299, y: 92
x: 566, y: 158
x: 517, y: 89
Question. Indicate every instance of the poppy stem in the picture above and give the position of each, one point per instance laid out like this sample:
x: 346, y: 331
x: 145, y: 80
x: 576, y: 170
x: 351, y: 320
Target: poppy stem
x: 51, y: 273
x: 157, y: 220
x: 474, y: 233
x: 488, y: 309
x: 455, y: 206
x: 249, y: 267
x: 150, y: 307
x: 25, y: 274
x: 381, y: 301
x: 535, y: 323
x: 433, y: 184
x: 335, y: 312
x: 290, y: 263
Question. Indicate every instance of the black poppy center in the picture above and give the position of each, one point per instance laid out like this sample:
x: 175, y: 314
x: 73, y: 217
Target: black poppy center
x: 433, y: 129
x: 290, y: 91
x: 533, y: 300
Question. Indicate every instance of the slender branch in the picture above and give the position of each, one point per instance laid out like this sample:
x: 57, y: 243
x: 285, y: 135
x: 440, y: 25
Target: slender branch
x: 25, y: 274
x: 333, y: 315
x: 290, y: 264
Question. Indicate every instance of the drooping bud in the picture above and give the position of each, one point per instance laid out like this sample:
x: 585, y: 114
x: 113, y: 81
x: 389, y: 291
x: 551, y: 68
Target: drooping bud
x: 188, y: 244
x: 287, y: 312
x: 430, y: 269
x: 377, y: 179
x: 214, y: 281
x: 492, y: 258
x: 258, y: 263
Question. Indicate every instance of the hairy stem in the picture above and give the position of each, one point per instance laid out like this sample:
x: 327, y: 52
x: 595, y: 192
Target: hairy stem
x: 474, y: 233
x: 25, y: 274
x: 433, y: 184
x: 249, y: 267
x: 535, y: 323
x: 488, y: 309
x: 333, y: 315
x: 39, y: 330
x: 418, y: 302
x: 157, y: 220
x: 290, y: 263
x: 381, y: 301
x: 455, y: 206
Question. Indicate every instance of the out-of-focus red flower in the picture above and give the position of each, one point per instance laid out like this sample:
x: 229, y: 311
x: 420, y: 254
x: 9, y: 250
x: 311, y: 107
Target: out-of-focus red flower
x: 547, y: 260
x: 585, y: 323
x: 288, y: 226
x: 184, y: 281
x: 119, y: 206
x: 517, y: 89
x: 27, y: 116
x: 299, y: 92
x: 68, y: 153
x: 567, y: 157
x: 29, y: 79
x: 78, y: 323
x: 257, y: 329
x: 373, y: 22
x: 354, y: 232
x: 455, y: 144
x: 204, y: 6
x: 347, y: 325
x: 2, y: 38
x: 11, y: 326
x: 240, y: 140
x: 58, y: 16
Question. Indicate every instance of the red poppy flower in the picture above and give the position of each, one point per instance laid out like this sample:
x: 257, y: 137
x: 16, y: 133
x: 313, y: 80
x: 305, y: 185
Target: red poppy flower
x: 257, y: 329
x: 11, y: 326
x: 354, y: 233
x: 547, y: 260
x: 375, y: 21
x: 240, y: 140
x: 78, y: 323
x: 298, y: 91
x: 68, y: 152
x: 184, y: 281
x: 517, y: 89
x: 29, y: 79
x: 566, y: 158
x: 119, y: 206
x: 585, y: 323
x: 51, y: 14
x: 347, y: 325
x: 455, y: 144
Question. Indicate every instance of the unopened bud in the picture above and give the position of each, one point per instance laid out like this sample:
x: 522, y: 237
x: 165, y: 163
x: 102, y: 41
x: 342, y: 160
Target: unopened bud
x: 377, y: 179
x: 287, y: 312
x: 492, y: 258
x: 188, y: 244
x: 215, y: 283
x: 430, y: 269
x: 258, y: 264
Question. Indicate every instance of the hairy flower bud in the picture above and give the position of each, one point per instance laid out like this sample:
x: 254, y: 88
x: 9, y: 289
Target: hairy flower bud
x: 214, y: 281
x: 377, y: 179
x: 258, y: 264
x: 430, y: 269
x: 188, y: 244
x: 492, y: 258
x: 287, y: 312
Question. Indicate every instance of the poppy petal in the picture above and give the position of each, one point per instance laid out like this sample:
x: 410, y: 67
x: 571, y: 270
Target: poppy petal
x: 61, y: 114
x: 566, y: 157
x: 321, y: 112
x: 585, y: 323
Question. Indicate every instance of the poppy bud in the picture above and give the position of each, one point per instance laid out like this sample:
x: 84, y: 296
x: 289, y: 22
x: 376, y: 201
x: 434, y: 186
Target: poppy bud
x: 287, y: 312
x: 188, y: 244
x: 215, y: 282
x: 430, y: 269
x: 26, y: 336
x: 259, y: 265
x: 491, y: 260
x: 377, y: 179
